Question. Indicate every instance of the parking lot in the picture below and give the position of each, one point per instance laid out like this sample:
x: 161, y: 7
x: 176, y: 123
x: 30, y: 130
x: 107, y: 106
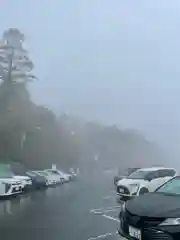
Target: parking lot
x: 82, y: 210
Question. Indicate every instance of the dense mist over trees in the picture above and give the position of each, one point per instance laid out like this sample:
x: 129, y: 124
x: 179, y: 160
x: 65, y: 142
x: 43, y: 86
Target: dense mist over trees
x: 33, y: 135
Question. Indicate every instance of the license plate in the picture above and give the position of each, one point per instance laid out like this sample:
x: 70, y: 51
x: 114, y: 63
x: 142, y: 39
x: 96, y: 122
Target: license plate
x: 135, y: 233
x: 121, y: 190
x: 16, y: 188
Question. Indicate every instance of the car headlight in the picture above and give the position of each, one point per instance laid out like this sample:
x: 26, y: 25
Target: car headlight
x: 170, y: 222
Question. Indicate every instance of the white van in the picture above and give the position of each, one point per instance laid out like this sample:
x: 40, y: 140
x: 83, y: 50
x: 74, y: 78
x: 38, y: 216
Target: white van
x: 143, y: 181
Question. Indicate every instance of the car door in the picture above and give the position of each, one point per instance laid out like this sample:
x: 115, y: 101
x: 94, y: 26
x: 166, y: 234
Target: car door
x: 167, y: 174
x: 163, y: 176
x: 152, y: 184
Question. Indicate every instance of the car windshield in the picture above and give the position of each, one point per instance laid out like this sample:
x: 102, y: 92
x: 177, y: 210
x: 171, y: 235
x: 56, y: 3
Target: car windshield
x: 127, y: 171
x: 61, y: 172
x: 140, y: 174
x: 171, y: 187
x: 50, y: 171
x: 31, y: 174
x: 43, y: 173
x: 53, y: 172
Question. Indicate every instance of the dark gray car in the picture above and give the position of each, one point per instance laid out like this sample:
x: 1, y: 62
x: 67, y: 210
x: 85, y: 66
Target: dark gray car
x: 38, y: 182
x: 125, y: 174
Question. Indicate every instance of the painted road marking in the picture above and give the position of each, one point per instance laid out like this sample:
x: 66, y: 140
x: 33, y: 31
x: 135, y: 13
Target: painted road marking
x: 103, y: 236
x: 108, y: 197
x: 111, y: 218
x: 104, y: 209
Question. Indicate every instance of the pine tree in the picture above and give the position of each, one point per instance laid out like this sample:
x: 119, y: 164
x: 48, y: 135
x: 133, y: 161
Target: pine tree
x: 15, y: 64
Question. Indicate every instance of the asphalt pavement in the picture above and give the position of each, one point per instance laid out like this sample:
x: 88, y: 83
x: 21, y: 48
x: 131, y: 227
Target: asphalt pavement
x: 85, y: 209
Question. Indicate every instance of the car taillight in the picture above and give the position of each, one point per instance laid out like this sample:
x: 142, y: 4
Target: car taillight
x: 7, y: 187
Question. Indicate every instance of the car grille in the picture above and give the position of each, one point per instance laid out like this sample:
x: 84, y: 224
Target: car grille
x: 14, y: 190
x: 154, y: 234
x: 125, y: 190
x: 142, y: 222
x: 139, y: 222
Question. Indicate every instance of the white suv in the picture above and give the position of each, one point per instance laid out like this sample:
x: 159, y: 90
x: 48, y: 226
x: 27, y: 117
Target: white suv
x: 143, y: 181
x: 10, y: 186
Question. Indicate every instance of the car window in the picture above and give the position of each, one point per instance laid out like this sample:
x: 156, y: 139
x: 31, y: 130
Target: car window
x: 166, y: 173
x: 141, y: 174
x: 152, y: 175
x: 171, y: 172
x: 171, y: 187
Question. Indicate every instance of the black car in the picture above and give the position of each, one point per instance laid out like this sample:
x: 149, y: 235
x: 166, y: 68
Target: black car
x: 38, y: 181
x: 125, y: 174
x: 153, y: 215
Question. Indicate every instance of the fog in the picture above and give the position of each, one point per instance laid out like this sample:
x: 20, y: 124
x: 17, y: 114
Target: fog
x: 112, y: 61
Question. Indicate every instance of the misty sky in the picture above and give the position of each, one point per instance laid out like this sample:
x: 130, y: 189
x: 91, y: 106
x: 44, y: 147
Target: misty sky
x: 112, y: 60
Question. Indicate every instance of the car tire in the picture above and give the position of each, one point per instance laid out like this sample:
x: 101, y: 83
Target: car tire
x: 143, y: 191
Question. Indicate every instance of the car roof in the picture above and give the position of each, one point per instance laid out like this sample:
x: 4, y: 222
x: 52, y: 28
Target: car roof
x: 155, y: 169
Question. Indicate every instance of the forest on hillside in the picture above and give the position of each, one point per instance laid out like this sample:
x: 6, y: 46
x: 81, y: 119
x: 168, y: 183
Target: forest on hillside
x: 34, y: 136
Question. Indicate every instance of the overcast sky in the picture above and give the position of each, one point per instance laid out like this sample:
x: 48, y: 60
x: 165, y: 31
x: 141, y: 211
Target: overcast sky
x: 112, y: 60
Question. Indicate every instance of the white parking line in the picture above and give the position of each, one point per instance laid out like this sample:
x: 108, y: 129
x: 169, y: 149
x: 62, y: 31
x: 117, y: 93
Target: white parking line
x: 111, y: 218
x: 108, y: 197
x: 103, y: 236
x: 104, y: 209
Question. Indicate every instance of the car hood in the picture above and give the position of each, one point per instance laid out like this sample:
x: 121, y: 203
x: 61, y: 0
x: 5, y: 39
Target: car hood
x: 127, y: 181
x: 155, y: 205
x: 10, y: 180
x: 22, y: 177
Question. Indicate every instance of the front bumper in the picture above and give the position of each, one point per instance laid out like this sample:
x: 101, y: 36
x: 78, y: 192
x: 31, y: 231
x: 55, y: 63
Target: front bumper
x: 155, y: 234
x: 125, y: 197
x: 13, y: 190
x: 151, y: 232
x: 124, y: 236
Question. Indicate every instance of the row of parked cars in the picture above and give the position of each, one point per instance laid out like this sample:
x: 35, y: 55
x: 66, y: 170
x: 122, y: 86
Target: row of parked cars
x: 151, y: 204
x: 12, y: 184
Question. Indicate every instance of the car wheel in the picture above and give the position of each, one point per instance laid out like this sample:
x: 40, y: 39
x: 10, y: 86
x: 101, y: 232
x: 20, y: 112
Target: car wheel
x: 143, y: 191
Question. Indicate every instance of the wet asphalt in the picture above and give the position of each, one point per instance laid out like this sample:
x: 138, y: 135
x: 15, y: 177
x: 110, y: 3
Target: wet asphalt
x: 85, y: 209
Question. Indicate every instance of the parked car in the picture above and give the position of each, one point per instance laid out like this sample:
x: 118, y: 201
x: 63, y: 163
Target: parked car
x: 25, y: 180
x: 54, y: 173
x: 9, y: 185
x: 154, y: 215
x: 143, y: 181
x: 126, y: 173
x: 67, y: 176
x: 50, y: 180
x: 38, y: 181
